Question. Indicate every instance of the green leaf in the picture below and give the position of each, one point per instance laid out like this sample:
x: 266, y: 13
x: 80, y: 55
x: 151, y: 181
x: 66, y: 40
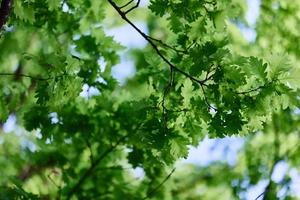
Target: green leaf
x: 158, y: 6
x: 4, y: 112
x: 178, y: 148
x: 187, y: 92
x: 278, y: 64
x: 292, y: 78
x: 54, y: 4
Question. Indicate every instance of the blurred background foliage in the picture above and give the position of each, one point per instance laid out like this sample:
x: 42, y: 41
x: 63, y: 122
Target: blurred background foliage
x: 70, y: 129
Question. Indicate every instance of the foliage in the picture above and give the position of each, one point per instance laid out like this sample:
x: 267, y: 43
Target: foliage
x: 196, y: 78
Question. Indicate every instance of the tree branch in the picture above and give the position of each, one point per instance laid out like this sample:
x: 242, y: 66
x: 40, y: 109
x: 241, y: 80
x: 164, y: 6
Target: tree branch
x: 25, y: 75
x: 276, y: 160
x: 126, y: 4
x: 154, y: 46
x: 151, y: 40
x: 168, y: 46
x: 30, y: 170
x: 93, y: 167
x: 206, y: 100
x: 132, y: 8
x: 252, y: 90
x: 159, y: 185
x: 166, y: 92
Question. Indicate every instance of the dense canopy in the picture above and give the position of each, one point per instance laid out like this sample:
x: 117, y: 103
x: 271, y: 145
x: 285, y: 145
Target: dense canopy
x: 80, y: 132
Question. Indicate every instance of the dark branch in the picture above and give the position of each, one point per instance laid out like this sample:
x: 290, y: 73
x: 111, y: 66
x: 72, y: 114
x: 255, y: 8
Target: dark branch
x: 26, y: 76
x: 30, y: 170
x: 17, y: 75
x: 151, y: 41
x: 126, y: 4
x: 276, y: 159
x: 168, y: 46
x: 115, y: 168
x: 90, y: 170
x: 206, y: 100
x: 252, y: 90
x: 166, y: 92
x: 259, y: 195
x: 267, y: 189
x: 159, y: 185
x: 4, y: 11
x: 132, y: 8
x: 154, y: 46
x: 210, y: 73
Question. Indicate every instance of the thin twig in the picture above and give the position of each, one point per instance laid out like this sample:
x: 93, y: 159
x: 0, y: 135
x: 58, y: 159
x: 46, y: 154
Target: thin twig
x: 26, y: 76
x: 132, y: 8
x: 191, y: 45
x: 58, y: 186
x: 159, y: 185
x: 115, y: 168
x: 154, y: 46
x: 180, y: 110
x: 206, y: 100
x: 50, y: 178
x: 209, y: 73
x: 252, y: 90
x: 166, y: 92
x: 94, y: 166
x: 126, y: 4
x: 168, y: 46
x: 97, y: 161
x: 276, y: 159
x: 260, y: 195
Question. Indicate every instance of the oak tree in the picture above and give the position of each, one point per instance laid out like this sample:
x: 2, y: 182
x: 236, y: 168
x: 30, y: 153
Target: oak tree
x: 197, y: 77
